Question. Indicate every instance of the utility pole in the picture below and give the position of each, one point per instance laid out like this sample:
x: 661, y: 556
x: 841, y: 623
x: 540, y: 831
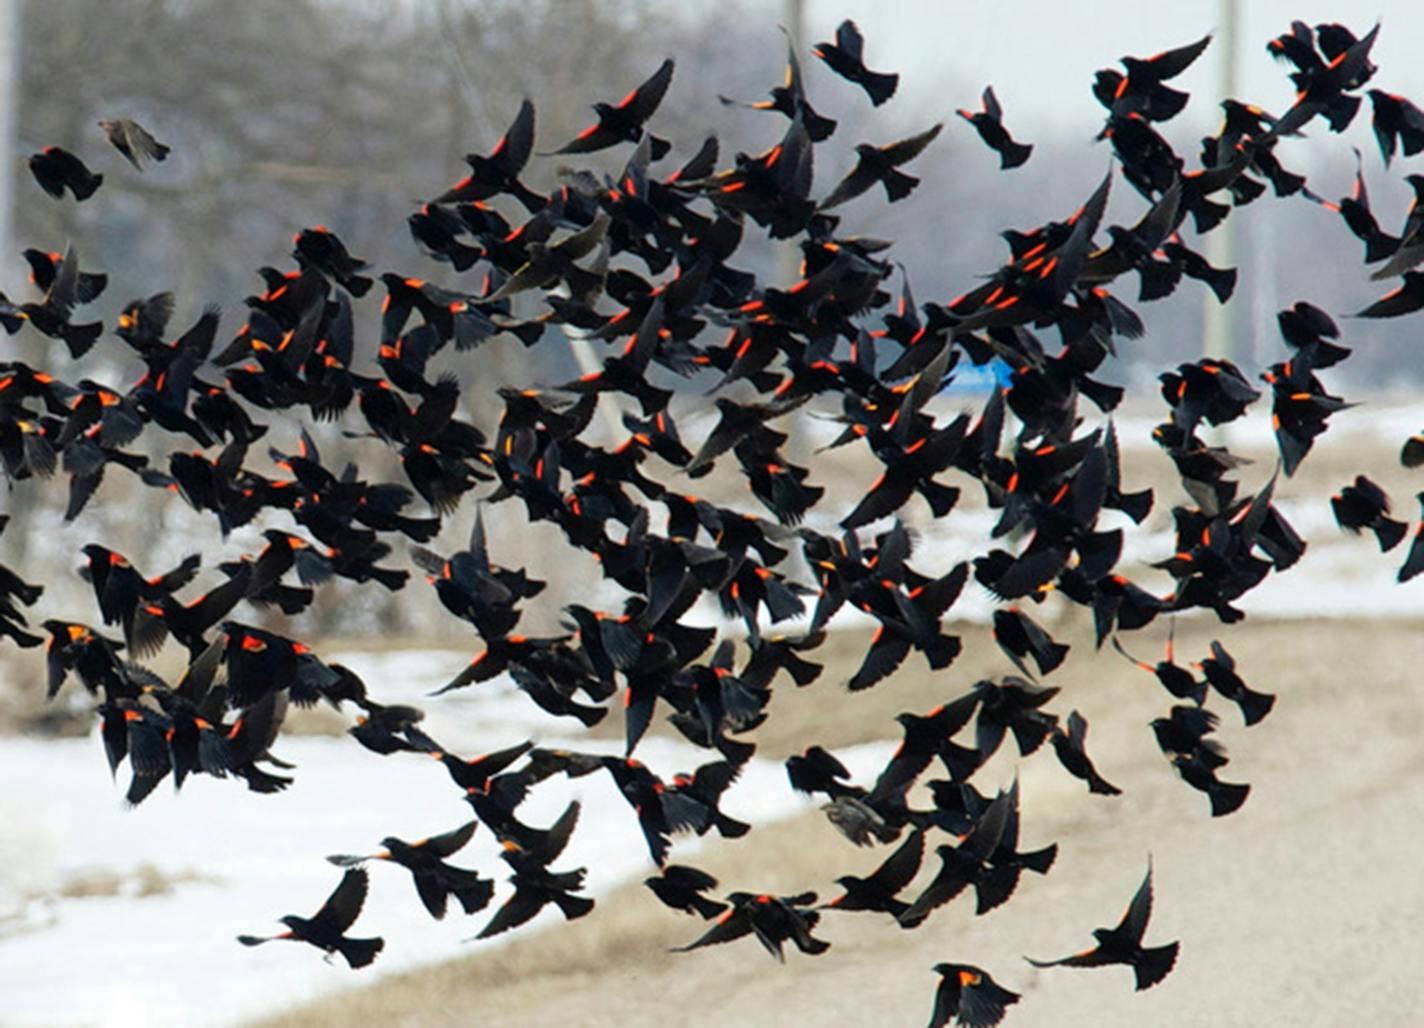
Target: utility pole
x: 1216, y: 334
x: 9, y: 84
x: 788, y: 261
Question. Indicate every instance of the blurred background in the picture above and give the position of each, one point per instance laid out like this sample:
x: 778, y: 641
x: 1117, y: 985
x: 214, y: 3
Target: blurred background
x: 284, y: 114
x: 348, y: 113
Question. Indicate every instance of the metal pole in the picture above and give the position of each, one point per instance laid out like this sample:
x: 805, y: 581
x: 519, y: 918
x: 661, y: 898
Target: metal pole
x: 9, y: 82
x: 1216, y: 334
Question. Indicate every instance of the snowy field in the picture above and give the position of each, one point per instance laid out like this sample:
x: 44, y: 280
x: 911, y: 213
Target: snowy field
x: 227, y: 861
x: 111, y: 916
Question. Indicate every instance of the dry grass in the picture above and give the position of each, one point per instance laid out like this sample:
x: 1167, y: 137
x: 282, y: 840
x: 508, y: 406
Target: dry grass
x: 1239, y: 892
x: 142, y: 882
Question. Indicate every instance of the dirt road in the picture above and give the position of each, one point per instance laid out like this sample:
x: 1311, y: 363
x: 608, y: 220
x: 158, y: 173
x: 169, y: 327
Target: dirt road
x: 1301, y: 909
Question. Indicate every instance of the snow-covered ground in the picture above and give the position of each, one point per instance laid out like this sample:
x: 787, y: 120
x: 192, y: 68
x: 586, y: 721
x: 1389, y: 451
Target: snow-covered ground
x: 237, y: 861
x: 111, y: 916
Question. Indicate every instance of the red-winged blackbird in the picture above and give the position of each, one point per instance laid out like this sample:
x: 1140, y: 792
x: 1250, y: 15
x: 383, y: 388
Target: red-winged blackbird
x: 1021, y: 637
x: 774, y: 920
x: 56, y: 169
x: 1414, y: 561
x: 1220, y: 672
x: 1011, y: 705
x: 1182, y: 739
x: 1407, y: 299
x: 845, y: 58
x: 1396, y: 120
x: 681, y: 888
x: 535, y: 888
x: 133, y: 141
x: 999, y: 877
x: 120, y: 589
x: 960, y: 865
x: 390, y: 728
x: 989, y: 123
x: 789, y: 99
x: 1322, y: 84
x: 1176, y: 679
x: 1141, y: 92
x: 1123, y: 944
x: 435, y: 880
x: 878, y: 890
x: 50, y: 315
x: 1363, y: 505
x: 969, y: 996
x: 1070, y: 747
x: 475, y: 774
x: 623, y: 122
x: 326, y: 929
x: 882, y: 164
x: 498, y: 172
x: 320, y: 248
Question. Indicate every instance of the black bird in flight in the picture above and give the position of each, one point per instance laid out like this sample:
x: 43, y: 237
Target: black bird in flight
x: 326, y: 929
x: 970, y: 996
x: 989, y: 123
x: 623, y: 122
x: 1123, y: 944
x: 55, y: 169
x: 882, y: 164
x: 845, y: 57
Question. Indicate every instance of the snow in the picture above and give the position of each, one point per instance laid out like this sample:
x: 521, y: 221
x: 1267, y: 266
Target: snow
x: 240, y: 860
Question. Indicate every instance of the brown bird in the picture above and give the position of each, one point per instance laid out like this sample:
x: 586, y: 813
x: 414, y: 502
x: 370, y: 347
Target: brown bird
x: 133, y: 141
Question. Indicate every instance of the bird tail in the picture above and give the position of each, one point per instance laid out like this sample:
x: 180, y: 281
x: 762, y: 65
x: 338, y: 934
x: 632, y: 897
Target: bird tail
x: 730, y: 827
x: 1226, y: 797
x: 1255, y: 705
x: 473, y: 892
x: 942, y: 650
x: 1014, y: 154
x: 880, y: 86
x: 392, y: 578
x: 360, y: 952
x: 590, y: 716
x: 1102, y: 786
x: 994, y: 886
x: 960, y: 761
x: 1154, y: 964
x: 1039, y: 861
x: 707, y: 908
x: 1135, y: 505
x: 80, y: 338
x: 941, y: 498
x: 1390, y: 533
x: 898, y: 185
x: 84, y: 190
x: 573, y: 906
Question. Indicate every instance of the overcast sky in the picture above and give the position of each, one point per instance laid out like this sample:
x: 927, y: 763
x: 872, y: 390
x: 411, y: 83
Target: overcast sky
x: 1040, y: 55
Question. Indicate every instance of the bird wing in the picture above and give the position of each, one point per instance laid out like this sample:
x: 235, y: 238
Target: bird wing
x: 444, y: 845
x: 991, y: 104
x: 732, y: 925
x: 1134, y: 922
x: 901, y: 866
x: 342, y: 907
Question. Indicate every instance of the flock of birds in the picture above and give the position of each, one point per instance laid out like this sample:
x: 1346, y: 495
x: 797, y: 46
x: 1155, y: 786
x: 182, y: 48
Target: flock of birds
x: 645, y: 260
